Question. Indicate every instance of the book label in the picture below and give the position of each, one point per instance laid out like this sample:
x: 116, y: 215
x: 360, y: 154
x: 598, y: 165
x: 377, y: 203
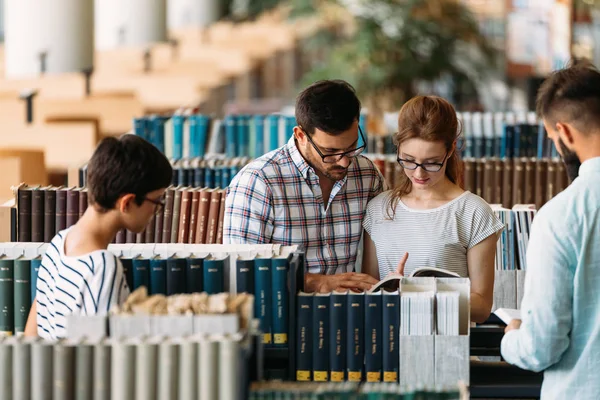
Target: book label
x: 321, y: 376
x: 303, y: 376
x: 354, y: 376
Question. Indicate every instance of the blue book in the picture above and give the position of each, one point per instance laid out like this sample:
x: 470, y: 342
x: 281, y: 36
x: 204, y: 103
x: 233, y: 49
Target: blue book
x: 263, y: 297
x: 244, y: 271
x: 304, y: 337
x: 362, y: 123
x: 507, y: 141
x: 355, y: 337
x: 202, y: 126
x: 141, y: 273
x: 157, y: 127
x: 139, y: 128
x: 233, y: 170
x: 199, y: 177
x: 127, y: 264
x: 320, y: 333
x: 176, y: 274
x: 337, y: 336
x: 194, y: 274
x: 273, y: 133
x: 259, y: 126
x: 279, y: 301
x: 158, y: 276
x: 35, y: 269
x: 290, y: 122
x: 230, y: 136
x: 209, y: 177
x: 225, y: 176
x: 541, y: 134
x: 194, y: 145
x: 390, y: 331
x: 243, y: 135
x: 373, y: 336
x: 214, y: 272
x: 178, y: 121
x: 218, y: 176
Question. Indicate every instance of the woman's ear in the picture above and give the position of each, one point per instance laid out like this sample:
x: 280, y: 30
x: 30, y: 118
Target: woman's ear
x: 125, y: 202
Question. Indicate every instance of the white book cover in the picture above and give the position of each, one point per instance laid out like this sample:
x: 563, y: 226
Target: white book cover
x: 507, y: 314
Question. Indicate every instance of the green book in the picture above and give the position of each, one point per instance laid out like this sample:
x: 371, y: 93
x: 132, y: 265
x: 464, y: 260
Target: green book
x: 279, y: 301
x: 7, y: 321
x: 22, y: 292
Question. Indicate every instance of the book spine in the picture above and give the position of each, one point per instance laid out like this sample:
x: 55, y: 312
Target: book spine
x: 49, y: 215
x: 22, y: 370
x: 263, y: 295
x: 128, y: 271
x: 102, y: 378
x: 194, y: 274
x: 245, y: 276
x: 373, y: 327
x: 141, y: 273
x: 304, y: 337
x: 6, y: 370
x: 178, y: 121
x: 72, y: 207
x: 176, y: 272
x: 6, y: 297
x: 64, y: 372
x: 208, y: 361
x: 22, y: 293
x: 229, y: 359
x: 41, y: 370
x: 356, y: 337
x: 337, y: 336
x: 84, y: 368
x: 122, y: 371
x: 61, y: 210
x: 24, y: 223
x: 83, y: 202
x: 146, y: 371
x: 320, y: 333
x: 188, y: 370
x: 213, y: 276
x: 37, y: 216
x: 391, y: 331
x: 279, y: 301
x: 158, y: 277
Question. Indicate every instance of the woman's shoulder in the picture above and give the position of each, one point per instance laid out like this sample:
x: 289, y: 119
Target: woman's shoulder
x: 471, y: 203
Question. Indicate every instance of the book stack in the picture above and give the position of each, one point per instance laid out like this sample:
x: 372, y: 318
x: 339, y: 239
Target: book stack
x: 187, y: 135
x: 510, y: 263
x: 351, y: 390
x: 195, y: 367
x: 417, y: 334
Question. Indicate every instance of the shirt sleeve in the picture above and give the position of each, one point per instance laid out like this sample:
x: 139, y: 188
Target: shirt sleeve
x: 248, y: 210
x: 107, y: 287
x: 484, y: 223
x: 546, y: 309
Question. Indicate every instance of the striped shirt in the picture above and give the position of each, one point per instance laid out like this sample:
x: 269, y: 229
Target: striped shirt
x: 277, y: 199
x: 84, y: 285
x: 438, y: 237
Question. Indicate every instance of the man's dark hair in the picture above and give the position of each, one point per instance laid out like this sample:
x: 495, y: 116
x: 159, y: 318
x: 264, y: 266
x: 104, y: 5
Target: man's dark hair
x: 572, y: 95
x: 329, y: 105
x: 124, y: 165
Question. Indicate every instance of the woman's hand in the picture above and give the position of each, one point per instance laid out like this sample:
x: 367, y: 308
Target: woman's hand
x: 402, y: 264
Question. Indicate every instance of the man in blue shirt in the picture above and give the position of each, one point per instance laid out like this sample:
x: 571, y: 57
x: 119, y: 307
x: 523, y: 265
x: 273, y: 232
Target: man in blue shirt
x: 560, y: 328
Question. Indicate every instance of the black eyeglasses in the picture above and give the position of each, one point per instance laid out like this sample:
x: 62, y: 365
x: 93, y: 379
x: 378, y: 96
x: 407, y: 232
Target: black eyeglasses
x: 333, y: 158
x: 429, y: 167
x: 159, y: 203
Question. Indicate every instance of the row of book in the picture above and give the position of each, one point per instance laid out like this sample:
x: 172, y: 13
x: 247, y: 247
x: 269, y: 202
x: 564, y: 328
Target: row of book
x: 512, y: 246
x: 190, y: 215
x: 358, y: 336
x: 351, y: 391
x: 499, y: 181
x: 199, y: 367
x: 501, y: 134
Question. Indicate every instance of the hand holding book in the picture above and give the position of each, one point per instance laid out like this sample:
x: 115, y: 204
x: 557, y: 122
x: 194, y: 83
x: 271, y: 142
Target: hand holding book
x: 354, y: 281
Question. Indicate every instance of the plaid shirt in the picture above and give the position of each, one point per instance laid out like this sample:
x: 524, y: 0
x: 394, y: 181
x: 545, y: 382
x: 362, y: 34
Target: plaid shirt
x: 277, y: 199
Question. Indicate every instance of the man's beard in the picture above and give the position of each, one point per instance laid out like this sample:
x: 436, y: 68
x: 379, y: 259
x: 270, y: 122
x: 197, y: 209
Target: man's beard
x: 335, y: 173
x: 571, y: 161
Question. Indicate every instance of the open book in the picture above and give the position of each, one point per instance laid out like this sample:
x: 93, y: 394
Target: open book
x: 507, y: 314
x: 392, y: 281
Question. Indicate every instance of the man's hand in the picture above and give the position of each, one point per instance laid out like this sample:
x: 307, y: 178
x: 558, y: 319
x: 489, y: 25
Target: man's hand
x: 348, y: 281
x: 513, y: 325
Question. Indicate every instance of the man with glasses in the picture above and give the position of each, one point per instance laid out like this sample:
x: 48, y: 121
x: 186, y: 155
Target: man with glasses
x: 313, y: 191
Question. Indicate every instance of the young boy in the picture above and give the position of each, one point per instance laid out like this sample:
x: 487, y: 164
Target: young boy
x: 127, y: 178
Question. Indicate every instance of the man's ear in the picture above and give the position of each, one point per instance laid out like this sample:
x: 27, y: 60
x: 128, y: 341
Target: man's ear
x: 125, y: 202
x: 299, y: 135
x: 565, y: 133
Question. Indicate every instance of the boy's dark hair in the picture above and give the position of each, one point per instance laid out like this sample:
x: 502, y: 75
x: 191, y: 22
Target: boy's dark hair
x: 329, y: 105
x: 572, y: 95
x: 125, y: 165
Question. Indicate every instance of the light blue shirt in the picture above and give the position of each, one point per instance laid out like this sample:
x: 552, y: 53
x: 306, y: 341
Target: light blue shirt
x: 560, y: 330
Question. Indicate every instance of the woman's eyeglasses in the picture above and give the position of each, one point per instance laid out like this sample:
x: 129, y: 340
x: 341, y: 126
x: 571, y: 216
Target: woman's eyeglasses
x: 333, y: 158
x: 429, y: 166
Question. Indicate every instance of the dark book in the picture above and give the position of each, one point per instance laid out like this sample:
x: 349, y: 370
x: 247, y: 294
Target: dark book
x: 83, y: 201
x: 507, y: 183
x: 373, y: 336
x: 158, y: 276
x: 479, y: 175
x: 219, y: 239
x: 304, y: 337
x: 518, y: 181
x: 561, y: 177
x: 24, y: 196
x: 390, y: 332
x: 141, y: 273
x: 213, y: 216
x: 128, y: 271
x: 35, y: 269
x: 37, y: 215
x: 176, y: 211
x: 185, y: 216
x: 130, y: 237
x: 49, y: 214
x: 61, y: 209
x: 245, y: 275
x: 337, y: 336
x: 158, y: 227
x: 202, y: 217
x: 7, y: 319
x: 194, y: 274
x: 541, y: 172
x: 488, y: 180
x: 498, y: 175
x: 195, y: 196
x: 213, y: 277
x: 355, y: 336
x: 121, y: 237
x: 320, y: 333
x: 176, y: 275
x: 72, y: 207
x: 551, y: 180
x: 279, y: 301
x: 22, y: 292
x: 263, y: 297
x: 149, y: 231
x: 529, y: 185
x: 168, y: 215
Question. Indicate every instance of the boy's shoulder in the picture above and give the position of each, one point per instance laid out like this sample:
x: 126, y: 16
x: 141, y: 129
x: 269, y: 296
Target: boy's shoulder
x: 95, y: 256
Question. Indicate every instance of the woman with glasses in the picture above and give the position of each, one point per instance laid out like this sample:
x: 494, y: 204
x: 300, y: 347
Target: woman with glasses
x: 428, y: 220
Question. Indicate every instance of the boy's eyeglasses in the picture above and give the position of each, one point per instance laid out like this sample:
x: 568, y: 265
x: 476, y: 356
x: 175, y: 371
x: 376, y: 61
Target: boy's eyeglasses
x: 429, y: 167
x: 333, y: 158
x: 159, y: 203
